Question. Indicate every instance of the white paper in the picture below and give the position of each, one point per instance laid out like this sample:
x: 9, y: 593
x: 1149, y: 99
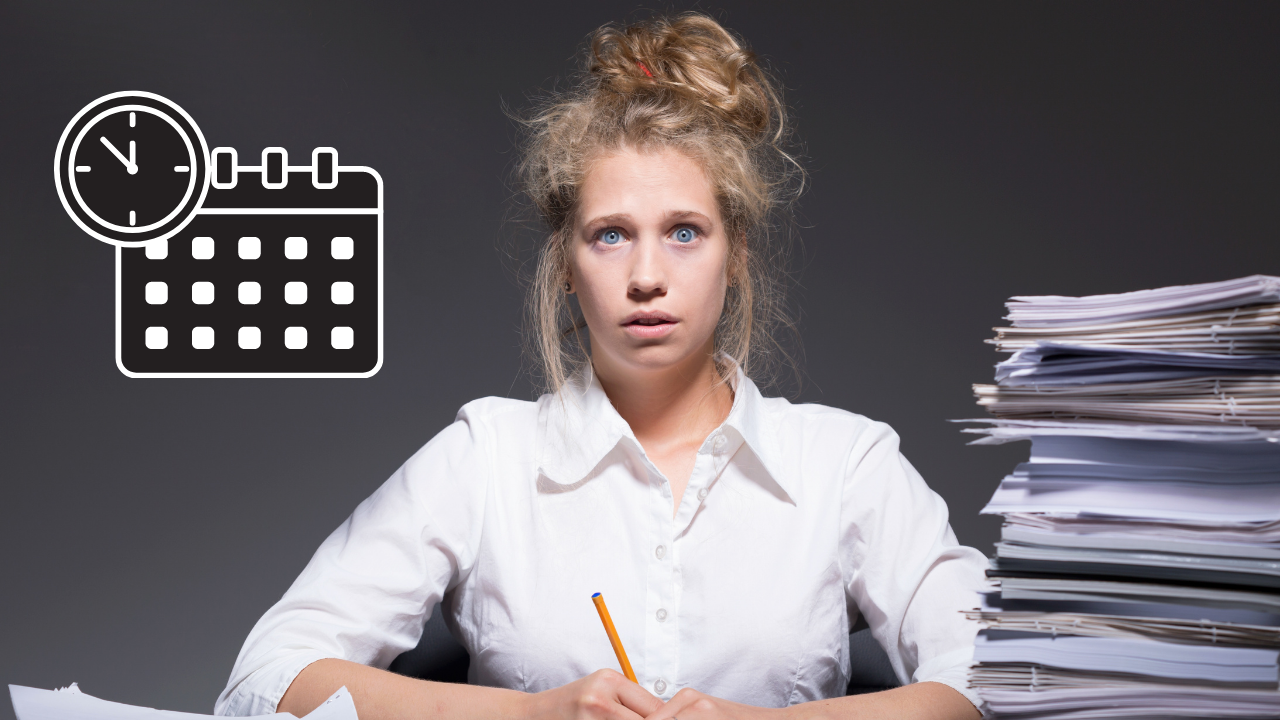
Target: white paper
x: 1093, y: 590
x: 1131, y: 627
x: 1251, y: 329
x: 1147, y: 501
x: 1003, y: 430
x: 1062, y: 696
x: 70, y: 704
x: 1121, y: 655
x: 1057, y: 310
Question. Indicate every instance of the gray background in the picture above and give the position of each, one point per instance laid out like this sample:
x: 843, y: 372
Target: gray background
x: 959, y: 154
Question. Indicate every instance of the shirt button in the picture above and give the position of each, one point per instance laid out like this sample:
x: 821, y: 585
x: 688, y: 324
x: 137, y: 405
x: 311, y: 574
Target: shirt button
x: 719, y: 442
x: 662, y: 615
x: 702, y: 494
x: 661, y: 551
x: 659, y: 686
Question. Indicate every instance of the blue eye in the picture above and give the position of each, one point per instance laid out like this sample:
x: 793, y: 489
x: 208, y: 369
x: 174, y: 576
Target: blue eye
x: 686, y: 235
x: 610, y: 237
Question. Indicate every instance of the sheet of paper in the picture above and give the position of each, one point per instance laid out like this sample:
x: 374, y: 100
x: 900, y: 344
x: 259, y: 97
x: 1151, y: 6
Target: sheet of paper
x: 1057, y: 310
x: 1253, y: 326
x: 1051, y: 364
x: 1004, y: 430
x: 1068, y: 696
x: 1068, y: 589
x: 70, y: 704
x: 1123, y: 655
x: 1149, y: 501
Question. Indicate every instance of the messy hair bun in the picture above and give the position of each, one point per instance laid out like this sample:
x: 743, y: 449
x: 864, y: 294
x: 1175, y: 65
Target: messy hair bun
x: 687, y: 83
x: 696, y: 60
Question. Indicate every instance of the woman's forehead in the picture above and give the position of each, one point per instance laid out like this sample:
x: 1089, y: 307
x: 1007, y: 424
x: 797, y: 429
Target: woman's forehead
x: 646, y: 184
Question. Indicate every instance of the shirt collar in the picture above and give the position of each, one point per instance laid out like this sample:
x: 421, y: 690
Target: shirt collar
x: 578, y: 426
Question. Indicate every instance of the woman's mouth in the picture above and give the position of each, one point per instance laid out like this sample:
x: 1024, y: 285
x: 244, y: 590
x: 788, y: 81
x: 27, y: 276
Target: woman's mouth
x: 649, y: 324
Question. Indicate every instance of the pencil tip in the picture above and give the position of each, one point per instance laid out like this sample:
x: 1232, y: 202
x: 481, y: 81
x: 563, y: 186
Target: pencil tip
x: 596, y: 595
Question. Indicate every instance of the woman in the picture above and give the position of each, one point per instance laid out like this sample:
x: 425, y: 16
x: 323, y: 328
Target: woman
x: 735, y: 537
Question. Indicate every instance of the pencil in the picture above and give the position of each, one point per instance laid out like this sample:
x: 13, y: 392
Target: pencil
x: 598, y: 599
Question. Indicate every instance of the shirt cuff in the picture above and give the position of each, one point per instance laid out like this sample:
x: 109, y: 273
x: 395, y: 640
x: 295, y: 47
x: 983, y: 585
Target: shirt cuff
x: 259, y: 692
x: 953, y: 671
x: 958, y: 679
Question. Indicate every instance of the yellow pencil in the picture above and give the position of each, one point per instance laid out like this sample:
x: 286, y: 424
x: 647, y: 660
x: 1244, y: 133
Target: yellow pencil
x: 598, y: 599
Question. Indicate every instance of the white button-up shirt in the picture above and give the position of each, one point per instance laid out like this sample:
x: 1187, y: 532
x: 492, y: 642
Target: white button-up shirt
x: 796, y: 519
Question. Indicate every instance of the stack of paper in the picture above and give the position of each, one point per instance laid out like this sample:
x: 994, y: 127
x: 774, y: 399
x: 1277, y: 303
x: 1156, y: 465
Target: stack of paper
x: 1138, y: 572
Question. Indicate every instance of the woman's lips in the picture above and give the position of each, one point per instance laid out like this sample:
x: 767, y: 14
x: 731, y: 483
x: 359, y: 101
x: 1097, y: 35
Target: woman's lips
x: 649, y: 324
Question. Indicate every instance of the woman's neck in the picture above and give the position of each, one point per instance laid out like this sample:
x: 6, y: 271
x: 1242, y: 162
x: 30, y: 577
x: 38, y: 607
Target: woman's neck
x: 675, y: 406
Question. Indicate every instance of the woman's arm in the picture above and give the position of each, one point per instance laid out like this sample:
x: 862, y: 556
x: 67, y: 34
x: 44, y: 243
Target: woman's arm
x: 920, y: 701
x: 381, y: 695
x: 905, y: 571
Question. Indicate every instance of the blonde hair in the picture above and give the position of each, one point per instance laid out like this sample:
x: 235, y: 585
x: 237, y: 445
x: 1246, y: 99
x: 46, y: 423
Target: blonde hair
x: 685, y: 83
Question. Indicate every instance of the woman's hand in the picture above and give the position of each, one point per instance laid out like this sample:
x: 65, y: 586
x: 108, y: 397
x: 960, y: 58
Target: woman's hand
x: 602, y: 695
x: 689, y: 704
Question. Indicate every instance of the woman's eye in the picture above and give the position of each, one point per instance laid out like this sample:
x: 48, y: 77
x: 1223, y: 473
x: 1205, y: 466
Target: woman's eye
x: 685, y: 235
x: 610, y: 237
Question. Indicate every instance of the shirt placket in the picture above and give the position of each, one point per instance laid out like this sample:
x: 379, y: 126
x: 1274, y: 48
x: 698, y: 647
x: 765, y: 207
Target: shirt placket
x: 663, y: 597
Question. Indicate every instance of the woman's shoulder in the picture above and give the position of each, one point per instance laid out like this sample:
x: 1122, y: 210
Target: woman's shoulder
x: 494, y: 409
x: 810, y: 419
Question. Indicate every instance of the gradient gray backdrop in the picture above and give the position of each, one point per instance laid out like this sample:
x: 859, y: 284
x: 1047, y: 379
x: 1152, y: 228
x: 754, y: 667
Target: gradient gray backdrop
x: 960, y: 153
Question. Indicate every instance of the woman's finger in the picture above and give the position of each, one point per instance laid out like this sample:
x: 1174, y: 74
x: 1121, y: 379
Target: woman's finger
x: 675, y: 706
x: 637, y: 699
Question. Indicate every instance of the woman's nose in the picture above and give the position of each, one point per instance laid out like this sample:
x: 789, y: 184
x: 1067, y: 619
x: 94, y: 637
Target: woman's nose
x: 648, y: 274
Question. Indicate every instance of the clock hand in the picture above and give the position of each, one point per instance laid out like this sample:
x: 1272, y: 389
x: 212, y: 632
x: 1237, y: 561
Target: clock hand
x: 119, y: 155
x: 133, y: 158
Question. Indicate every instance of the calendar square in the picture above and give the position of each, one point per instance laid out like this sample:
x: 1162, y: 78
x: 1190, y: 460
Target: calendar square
x: 157, y: 293
x: 295, y: 293
x: 202, y: 293
x: 202, y: 338
x: 249, y: 338
x: 342, y: 248
x: 249, y: 293
x: 249, y: 248
x: 295, y: 338
x: 157, y: 338
x: 295, y: 248
x: 202, y: 248
x: 342, y: 338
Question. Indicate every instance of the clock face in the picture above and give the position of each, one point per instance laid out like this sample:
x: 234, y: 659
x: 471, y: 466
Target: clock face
x: 132, y: 167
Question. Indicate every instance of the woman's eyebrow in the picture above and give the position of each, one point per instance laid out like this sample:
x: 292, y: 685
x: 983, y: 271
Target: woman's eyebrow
x: 614, y: 219
x: 686, y: 214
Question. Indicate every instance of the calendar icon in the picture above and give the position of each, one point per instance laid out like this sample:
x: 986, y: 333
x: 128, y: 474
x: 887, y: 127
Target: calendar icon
x: 274, y: 271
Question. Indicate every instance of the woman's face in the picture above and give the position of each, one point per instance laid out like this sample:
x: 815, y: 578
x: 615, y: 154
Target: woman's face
x: 649, y: 260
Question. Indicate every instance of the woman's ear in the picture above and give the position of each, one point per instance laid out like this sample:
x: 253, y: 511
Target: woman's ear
x: 566, y: 273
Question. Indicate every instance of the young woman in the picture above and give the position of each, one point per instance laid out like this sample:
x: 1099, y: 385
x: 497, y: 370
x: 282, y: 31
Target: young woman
x: 735, y: 537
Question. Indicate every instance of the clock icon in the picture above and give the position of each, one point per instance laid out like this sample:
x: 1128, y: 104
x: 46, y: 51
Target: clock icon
x: 132, y: 167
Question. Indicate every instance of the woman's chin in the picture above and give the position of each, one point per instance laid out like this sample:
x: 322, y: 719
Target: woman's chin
x: 656, y: 355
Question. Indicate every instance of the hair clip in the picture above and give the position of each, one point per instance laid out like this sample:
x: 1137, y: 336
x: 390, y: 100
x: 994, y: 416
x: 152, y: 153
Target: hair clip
x: 645, y: 69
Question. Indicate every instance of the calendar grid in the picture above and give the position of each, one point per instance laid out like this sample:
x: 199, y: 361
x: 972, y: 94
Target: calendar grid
x: 274, y: 277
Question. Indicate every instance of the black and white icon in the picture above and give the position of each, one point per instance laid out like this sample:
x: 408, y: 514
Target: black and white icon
x: 222, y: 269
x: 132, y: 167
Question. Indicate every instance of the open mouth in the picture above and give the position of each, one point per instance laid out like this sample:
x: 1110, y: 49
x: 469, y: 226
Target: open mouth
x: 649, y: 323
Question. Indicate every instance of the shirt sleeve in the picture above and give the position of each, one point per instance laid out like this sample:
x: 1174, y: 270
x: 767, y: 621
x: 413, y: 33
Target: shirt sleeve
x: 366, y: 592
x: 903, y: 567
